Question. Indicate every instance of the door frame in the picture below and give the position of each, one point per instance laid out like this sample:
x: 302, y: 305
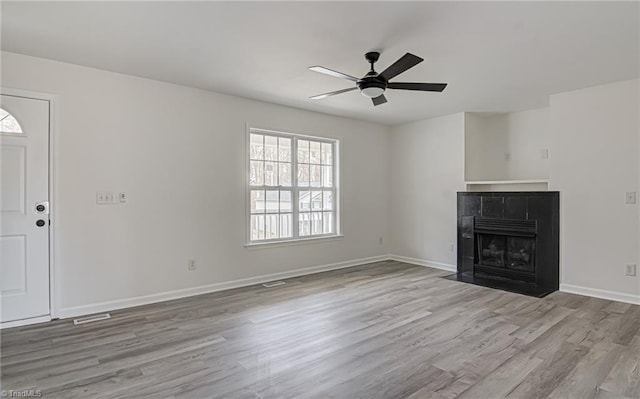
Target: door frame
x: 52, y: 99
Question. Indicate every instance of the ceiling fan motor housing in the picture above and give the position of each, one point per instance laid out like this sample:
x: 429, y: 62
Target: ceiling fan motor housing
x: 372, y: 85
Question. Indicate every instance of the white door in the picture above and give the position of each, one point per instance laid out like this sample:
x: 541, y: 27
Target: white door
x: 24, y: 208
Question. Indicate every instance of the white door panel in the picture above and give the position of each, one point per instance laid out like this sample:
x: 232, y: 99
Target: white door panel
x: 24, y: 182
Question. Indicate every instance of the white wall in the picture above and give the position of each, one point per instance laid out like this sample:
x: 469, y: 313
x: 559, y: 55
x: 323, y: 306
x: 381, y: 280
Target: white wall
x: 522, y: 135
x: 594, y: 142
x: 485, y: 144
x: 427, y: 171
x: 527, y: 135
x: 179, y: 154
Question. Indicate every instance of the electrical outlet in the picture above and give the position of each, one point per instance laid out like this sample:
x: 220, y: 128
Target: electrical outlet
x: 451, y: 247
x: 191, y: 265
x: 631, y: 270
x: 380, y: 240
x: 122, y: 197
x: 544, y: 153
x: 630, y: 197
x: 507, y: 156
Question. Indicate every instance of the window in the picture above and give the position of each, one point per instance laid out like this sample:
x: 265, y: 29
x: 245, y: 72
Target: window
x: 292, y: 187
x: 9, y: 124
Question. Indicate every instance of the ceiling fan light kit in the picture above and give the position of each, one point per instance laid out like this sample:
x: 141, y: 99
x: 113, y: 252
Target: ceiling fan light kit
x: 373, y: 84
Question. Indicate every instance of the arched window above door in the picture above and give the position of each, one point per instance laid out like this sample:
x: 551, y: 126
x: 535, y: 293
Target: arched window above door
x: 8, y: 123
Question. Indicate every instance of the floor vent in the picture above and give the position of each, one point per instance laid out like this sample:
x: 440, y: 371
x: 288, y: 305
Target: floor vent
x: 273, y: 284
x: 92, y: 318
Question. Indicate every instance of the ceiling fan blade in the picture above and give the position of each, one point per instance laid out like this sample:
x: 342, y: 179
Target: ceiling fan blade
x: 333, y: 93
x: 405, y: 62
x: 417, y: 86
x: 381, y: 99
x: 331, y: 72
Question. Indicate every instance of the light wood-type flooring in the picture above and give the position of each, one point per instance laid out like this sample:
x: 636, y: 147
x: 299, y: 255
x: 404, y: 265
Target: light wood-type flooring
x: 384, y: 330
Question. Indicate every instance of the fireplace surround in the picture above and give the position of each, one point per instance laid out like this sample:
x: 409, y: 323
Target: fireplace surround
x: 509, y: 240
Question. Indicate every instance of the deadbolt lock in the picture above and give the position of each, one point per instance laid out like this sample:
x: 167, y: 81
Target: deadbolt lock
x: 42, y: 207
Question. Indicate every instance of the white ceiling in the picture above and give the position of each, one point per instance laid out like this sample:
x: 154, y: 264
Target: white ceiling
x: 496, y: 57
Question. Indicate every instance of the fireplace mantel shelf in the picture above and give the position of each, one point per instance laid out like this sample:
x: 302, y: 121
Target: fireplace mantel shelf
x: 507, y: 185
x: 484, y: 182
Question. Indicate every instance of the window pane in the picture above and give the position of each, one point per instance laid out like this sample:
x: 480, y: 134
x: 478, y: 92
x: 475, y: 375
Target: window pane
x: 314, y: 152
x: 286, y: 225
x: 285, y: 201
x: 256, y: 147
x: 257, y: 227
x: 327, y: 222
x: 270, y: 174
x: 327, y: 176
x: 284, y: 149
x: 303, y: 151
x: 257, y: 201
x: 304, y: 202
x: 285, y: 174
x: 256, y: 173
x: 305, y: 227
x: 271, y: 227
x: 316, y: 200
x: 315, y: 175
x: 272, y: 203
x: 316, y: 223
x: 303, y: 175
x: 270, y: 148
x: 327, y: 154
x: 327, y: 201
x: 8, y: 124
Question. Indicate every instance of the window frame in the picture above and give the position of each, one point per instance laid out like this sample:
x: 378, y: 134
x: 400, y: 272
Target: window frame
x: 295, y: 189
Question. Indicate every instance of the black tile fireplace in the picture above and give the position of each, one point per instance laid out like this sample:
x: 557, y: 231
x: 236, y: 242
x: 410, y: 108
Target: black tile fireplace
x: 509, y: 240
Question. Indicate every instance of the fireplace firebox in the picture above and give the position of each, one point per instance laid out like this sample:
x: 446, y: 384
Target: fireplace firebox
x: 509, y: 240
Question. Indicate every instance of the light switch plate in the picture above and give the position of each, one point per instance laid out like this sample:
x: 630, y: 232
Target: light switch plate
x: 105, y: 198
x: 630, y: 197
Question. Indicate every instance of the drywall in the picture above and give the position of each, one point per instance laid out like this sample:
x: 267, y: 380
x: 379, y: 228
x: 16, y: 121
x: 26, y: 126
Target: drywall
x: 527, y: 138
x: 507, y: 146
x: 594, y: 142
x: 427, y: 170
x: 179, y: 155
x: 485, y: 146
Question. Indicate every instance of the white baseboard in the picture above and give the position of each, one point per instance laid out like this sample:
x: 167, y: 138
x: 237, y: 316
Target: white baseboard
x: 84, y: 310
x: 424, y: 262
x: 205, y: 289
x: 25, y: 322
x: 598, y: 293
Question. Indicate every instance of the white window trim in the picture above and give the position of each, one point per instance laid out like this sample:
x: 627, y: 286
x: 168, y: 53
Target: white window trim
x: 337, y: 235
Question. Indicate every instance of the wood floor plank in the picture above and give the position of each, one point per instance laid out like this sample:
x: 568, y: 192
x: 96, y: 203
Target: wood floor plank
x: 384, y: 330
x: 624, y: 378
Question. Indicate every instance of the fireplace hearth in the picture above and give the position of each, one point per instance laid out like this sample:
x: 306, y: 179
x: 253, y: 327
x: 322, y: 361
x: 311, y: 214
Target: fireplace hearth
x: 509, y: 240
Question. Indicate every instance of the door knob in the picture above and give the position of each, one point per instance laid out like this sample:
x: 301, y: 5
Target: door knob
x: 40, y: 223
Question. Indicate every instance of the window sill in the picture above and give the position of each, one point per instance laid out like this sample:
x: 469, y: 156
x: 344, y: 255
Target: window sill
x: 298, y: 241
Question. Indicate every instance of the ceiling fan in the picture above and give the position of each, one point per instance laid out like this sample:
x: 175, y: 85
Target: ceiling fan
x: 373, y: 84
